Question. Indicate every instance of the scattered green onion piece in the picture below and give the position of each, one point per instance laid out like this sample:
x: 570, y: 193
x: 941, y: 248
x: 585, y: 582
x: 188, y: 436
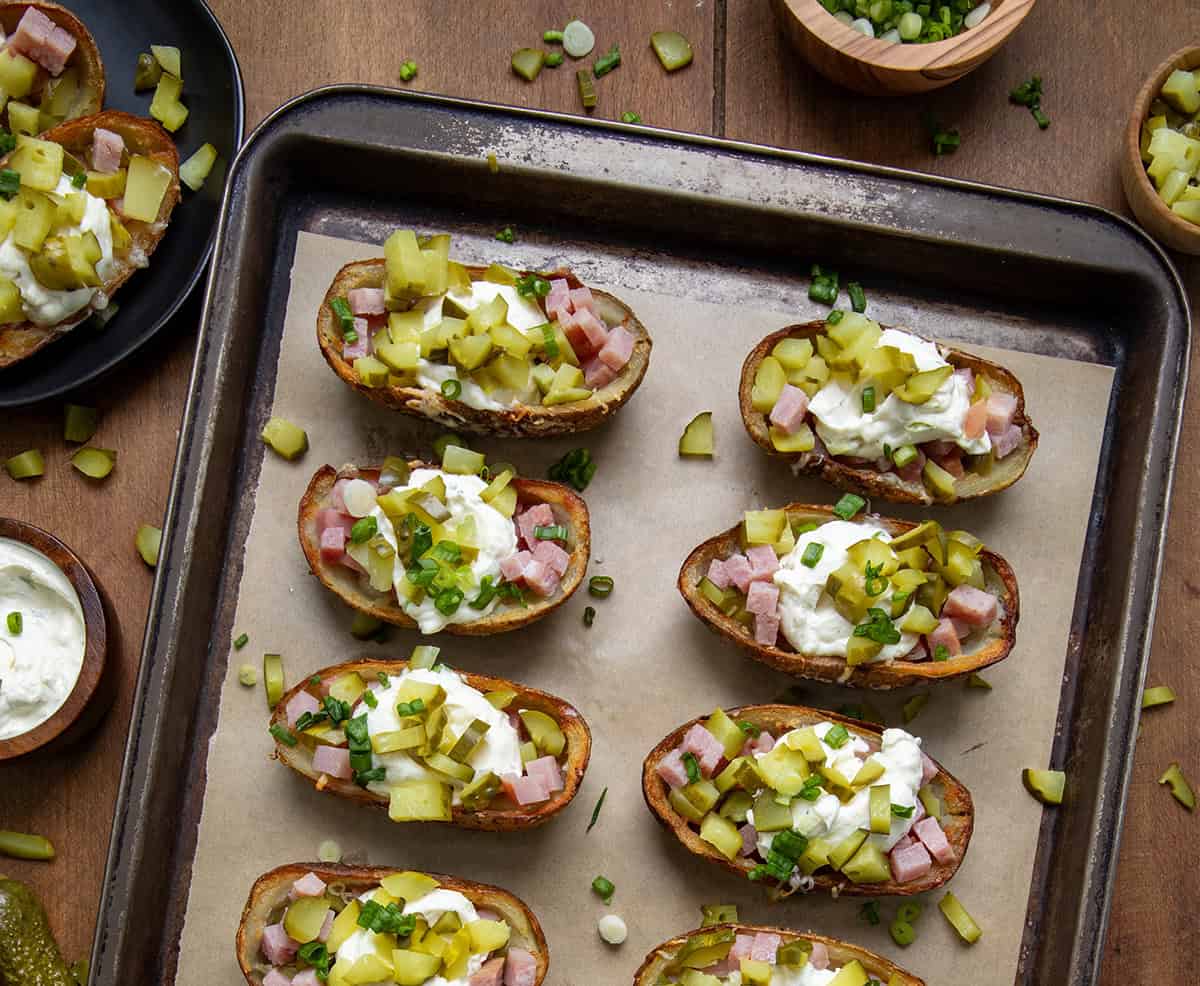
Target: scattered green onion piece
x: 903, y: 811
x: 834, y: 316
x: 79, y: 180
x: 452, y: 389
x: 587, y: 96
x: 148, y: 541
x: 607, y: 62
x: 903, y: 933
x: 849, y: 505
x: 95, y: 463
x: 672, y: 49
x: 21, y: 845
x: 904, y: 455
x: 869, y: 912
x: 812, y: 554
x: 242, y: 640
x: 630, y: 117
x: 1042, y: 120
x: 596, y: 810
x: 1156, y: 696
x: 804, y: 528
x: 551, y: 532
x: 858, y: 297
x: 283, y: 734
x: 978, y: 681
x: 26, y: 465
x: 533, y: 286
x: 549, y: 346
x: 79, y: 423
x: 408, y: 71
x: 692, y: 766
x: 506, y: 235
x: 604, y: 888
x: 1181, y: 790
x: 868, y: 400
x: 10, y: 182
x: 837, y: 736
x: 945, y: 141
x: 941, y: 653
x: 554, y: 59
x: 552, y: 37
x: 248, y: 675
x: 16, y: 623
x: 589, y: 616
x: 600, y: 586
x: 822, y: 291
x: 369, y: 697
x: 578, y: 39
x: 329, y: 851
x: 576, y: 468
x: 341, y: 311
x: 528, y: 62
x: 912, y: 708
x: 364, y: 529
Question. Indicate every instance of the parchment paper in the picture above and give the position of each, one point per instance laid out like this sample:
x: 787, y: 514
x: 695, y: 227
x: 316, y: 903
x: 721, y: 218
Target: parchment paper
x: 647, y: 664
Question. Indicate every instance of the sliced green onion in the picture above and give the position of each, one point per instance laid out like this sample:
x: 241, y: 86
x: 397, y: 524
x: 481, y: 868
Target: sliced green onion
x: 587, y: 96
x: 903, y: 811
x: 834, y: 316
x: 552, y: 37
x: 672, y: 49
x: 341, y: 311
x: 283, y: 734
x: 21, y: 845
x: 551, y: 532
x: 369, y: 697
x: 692, y: 766
x: 506, y: 235
x: 26, y: 465
x: 869, y: 912
x: 604, y: 887
x: 408, y: 71
x: 848, y: 505
x: 596, y: 810
x: 554, y: 59
x: 812, y: 554
x: 95, y: 463
x: 904, y: 455
x: 589, y: 616
x: 79, y: 423
x: 945, y: 141
x: 600, y: 585
x: 607, y: 62
x: 941, y: 653
x: 10, y: 182
x: 448, y: 600
x: 868, y: 400
x: 451, y: 389
x: 528, y: 62
x: 148, y: 541
x: 576, y: 468
x: 578, y: 39
x: 364, y: 529
x: 329, y: 851
x: 533, y: 286
x: 630, y: 117
x: 858, y: 297
x: 79, y: 180
x: 242, y: 640
x: 549, y: 344
x: 912, y: 708
x: 823, y: 291
x: 837, y: 736
x: 1158, y: 695
x: 16, y: 623
x: 903, y: 933
x: 909, y: 911
x: 804, y: 528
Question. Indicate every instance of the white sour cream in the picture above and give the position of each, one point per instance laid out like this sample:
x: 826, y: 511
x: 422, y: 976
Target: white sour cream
x: 40, y: 665
x: 807, y: 616
x: 828, y: 818
x: 42, y: 305
x: 495, y: 538
x: 847, y: 430
x: 499, y: 752
x: 787, y: 976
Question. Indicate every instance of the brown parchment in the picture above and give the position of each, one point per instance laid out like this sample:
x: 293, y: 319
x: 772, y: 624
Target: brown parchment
x: 647, y: 664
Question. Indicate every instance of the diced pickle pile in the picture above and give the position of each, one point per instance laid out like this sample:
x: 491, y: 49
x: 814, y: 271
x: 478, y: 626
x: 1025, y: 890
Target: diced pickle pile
x: 711, y: 957
x: 1171, y: 144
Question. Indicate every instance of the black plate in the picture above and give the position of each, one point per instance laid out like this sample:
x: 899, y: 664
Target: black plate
x: 216, y: 103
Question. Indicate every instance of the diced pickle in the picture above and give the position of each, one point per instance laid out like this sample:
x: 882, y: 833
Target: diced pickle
x: 166, y: 106
x: 95, y: 463
x: 703, y: 941
x: 148, y: 541
x: 851, y: 974
x: 718, y: 914
x: 861, y: 650
x: 722, y: 834
x: 697, y: 437
x: 815, y: 855
x: 874, y: 552
x: 763, y: 526
x: 466, y: 744
x: 544, y: 731
x: 769, y: 814
x: 344, y: 925
x: 304, y: 918
x: 918, y: 388
x: 480, y: 791
x: 703, y: 794
x: 735, y: 806
x: 196, y: 169
x: 35, y: 215
x: 411, y: 968
x: 880, y: 808
x: 420, y: 801
x: 395, y: 740
x: 868, y: 773
x: 801, y: 440
x: 683, y: 806
x: 930, y: 802
x: 794, y: 954
x: 1046, y: 786
x: 844, y: 850
x: 808, y: 743
x: 145, y: 188
x: 1181, y: 790
x: 487, y: 936
x: 887, y: 368
x: 768, y: 384
x: 793, y: 354
x: 462, y: 461
x: 726, y: 731
x: 17, y: 73
x: 23, y: 119
x: 285, y: 438
x: 783, y: 769
x: 107, y: 185
x: 918, y: 620
x: 938, y: 480
x: 755, y: 972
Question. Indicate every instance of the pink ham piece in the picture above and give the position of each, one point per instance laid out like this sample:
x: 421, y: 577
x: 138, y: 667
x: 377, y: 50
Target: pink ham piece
x: 582, y: 346
x: 749, y: 836
x: 762, y: 599
x: 491, y: 973
x: 539, y: 515
x: 766, y: 629
x: 276, y: 978
x: 597, y: 373
x: 763, y: 561
x: 486, y: 915
x: 764, y: 742
x: 361, y: 346
x: 552, y: 556
x: 671, y: 769
x: 742, y: 946
x: 277, y: 945
x: 1002, y: 408
x: 333, y: 545
x: 974, y: 607
x: 944, y: 635
x: 107, y: 148
x: 707, y: 749
x: 1004, y: 443
x: 717, y: 574
x: 918, y: 653
x: 764, y: 948
x: 975, y: 423
x: 545, y: 771
x: 524, y: 790
x: 308, y: 977
x: 905, y: 840
x: 595, y: 331
x: 326, y: 926
x: 939, y: 449
x: 910, y: 863
x: 39, y: 38
x: 929, y: 771
x: 559, y: 298
x: 541, y: 578
x: 309, y: 885
x: 617, y: 348
x: 332, y: 760
x: 337, y: 497
x: 581, y: 298
x: 911, y: 473
x: 513, y: 567
x: 366, y: 301
x: 520, y: 969
x: 790, y: 409
x: 298, y: 704
x: 931, y: 833
x: 328, y: 517
x: 739, y: 571
x: 819, y: 957
x: 951, y: 462
x: 962, y: 629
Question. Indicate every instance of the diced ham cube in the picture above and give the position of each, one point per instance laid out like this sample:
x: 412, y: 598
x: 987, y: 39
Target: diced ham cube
x: 749, y: 836
x: 905, y: 840
x: 581, y: 298
x: 975, y: 423
x: 763, y: 561
x: 366, y: 301
x: 39, y: 38
x: 491, y: 973
x: 766, y: 629
x: 539, y: 515
x: 910, y: 863
x: 962, y: 629
x: 790, y: 409
x: 107, y: 148
x: 520, y: 969
x: 487, y: 915
x: 513, y: 567
x: 552, y: 556
x: 597, y: 373
x: 764, y: 948
x: 944, y: 635
x: 329, y: 517
x: 742, y: 946
x: 707, y: 749
x: 951, y: 462
x: 918, y: 808
x: 819, y: 956
x: 541, y: 578
x: 277, y: 945
x: 559, y: 297
x: 333, y: 545
x: 911, y: 473
x: 337, y: 497
x: 308, y: 977
x: 595, y: 330
x: 1006, y: 441
x: 918, y: 653
x: 1002, y: 408
x: 276, y: 978
x: 939, y: 448
x: 671, y: 769
x: 332, y: 760
x: 971, y: 606
x: 298, y: 704
x: 576, y: 336
x: 931, y: 833
x: 717, y: 574
x: 524, y: 790
x: 739, y: 571
x: 764, y: 742
x: 326, y: 926
x: 547, y: 772
x: 617, y: 348
x: 929, y: 771
x: 763, y: 598
x: 359, y: 347
x: 309, y: 885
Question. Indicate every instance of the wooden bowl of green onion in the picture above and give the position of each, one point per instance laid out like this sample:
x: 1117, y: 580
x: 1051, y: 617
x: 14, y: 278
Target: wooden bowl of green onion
x: 1160, y: 180
x: 898, y: 46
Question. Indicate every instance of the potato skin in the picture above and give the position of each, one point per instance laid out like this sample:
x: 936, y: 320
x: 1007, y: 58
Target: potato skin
x: 569, y: 719
x: 85, y: 57
x: 995, y: 646
x: 271, y: 889
x: 566, y: 503
x: 871, y: 482
x: 840, y: 953
x: 522, y: 421
x: 19, y: 340
x: 958, y: 817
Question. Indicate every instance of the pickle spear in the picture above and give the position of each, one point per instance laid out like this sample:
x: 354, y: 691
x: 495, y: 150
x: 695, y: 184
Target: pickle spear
x: 1181, y: 790
x: 1045, y: 785
x: 28, y: 952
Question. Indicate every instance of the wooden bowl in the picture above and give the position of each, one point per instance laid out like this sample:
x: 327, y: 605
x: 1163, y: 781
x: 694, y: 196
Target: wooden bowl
x: 875, y: 67
x: 58, y: 728
x: 1154, y: 215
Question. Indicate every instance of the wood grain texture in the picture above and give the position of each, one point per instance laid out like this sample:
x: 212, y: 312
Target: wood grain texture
x: 1093, y: 67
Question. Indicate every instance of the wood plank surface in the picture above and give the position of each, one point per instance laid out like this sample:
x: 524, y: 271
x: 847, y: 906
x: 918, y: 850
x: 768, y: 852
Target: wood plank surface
x: 744, y: 83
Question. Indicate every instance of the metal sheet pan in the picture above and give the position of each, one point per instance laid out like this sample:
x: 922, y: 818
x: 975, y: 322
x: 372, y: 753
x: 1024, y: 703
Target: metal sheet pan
x: 1061, y: 278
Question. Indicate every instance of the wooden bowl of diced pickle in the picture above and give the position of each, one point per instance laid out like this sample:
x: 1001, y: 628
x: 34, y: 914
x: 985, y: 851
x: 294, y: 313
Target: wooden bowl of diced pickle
x: 1160, y: 165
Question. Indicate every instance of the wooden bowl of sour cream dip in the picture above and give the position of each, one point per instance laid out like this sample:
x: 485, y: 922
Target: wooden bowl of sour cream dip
x: 53, y: 636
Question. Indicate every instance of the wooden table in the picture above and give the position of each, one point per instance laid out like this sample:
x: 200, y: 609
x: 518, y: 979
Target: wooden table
x: 744, y: 83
